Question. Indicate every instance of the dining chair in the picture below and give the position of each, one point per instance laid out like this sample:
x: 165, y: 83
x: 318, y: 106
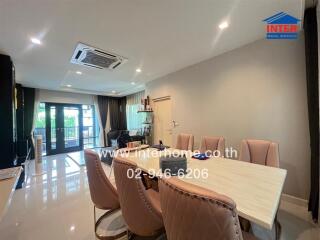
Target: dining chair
x: 264, y: 153
x: 185, y: 141
x: 140, y: 207
x: 190, y: 212
x: 260, y: 152
x: 212, y: 144
x: 105, y: 197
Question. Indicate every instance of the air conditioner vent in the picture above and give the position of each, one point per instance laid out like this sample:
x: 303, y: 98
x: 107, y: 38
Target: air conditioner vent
x: 97, y: 58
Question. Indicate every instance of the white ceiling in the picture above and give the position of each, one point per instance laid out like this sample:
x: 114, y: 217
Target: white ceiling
x: 158, y: 36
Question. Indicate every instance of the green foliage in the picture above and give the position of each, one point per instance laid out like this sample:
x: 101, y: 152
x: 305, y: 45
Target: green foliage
x: 41, y: 118
x: 69, y: 121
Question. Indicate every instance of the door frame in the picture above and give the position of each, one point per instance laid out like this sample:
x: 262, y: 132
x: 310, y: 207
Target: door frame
x: 60, y: 147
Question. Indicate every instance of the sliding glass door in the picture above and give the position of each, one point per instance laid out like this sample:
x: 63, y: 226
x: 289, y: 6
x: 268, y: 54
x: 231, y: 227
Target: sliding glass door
x: 63, y: 128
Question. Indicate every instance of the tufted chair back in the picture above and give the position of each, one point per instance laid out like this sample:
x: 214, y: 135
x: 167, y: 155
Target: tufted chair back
x: 185, y: 142
x: 260, y: 152
x: 140, y: 207
x: 212, y: 144
x: 190, y: 212
x: 103, y: 194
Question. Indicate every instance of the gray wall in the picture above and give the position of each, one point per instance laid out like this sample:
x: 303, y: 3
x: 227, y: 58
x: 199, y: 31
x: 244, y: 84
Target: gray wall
x: 257, y: 91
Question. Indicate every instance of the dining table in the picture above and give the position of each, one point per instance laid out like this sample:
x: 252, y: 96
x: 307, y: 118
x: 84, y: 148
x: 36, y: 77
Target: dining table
x: 256, y: 189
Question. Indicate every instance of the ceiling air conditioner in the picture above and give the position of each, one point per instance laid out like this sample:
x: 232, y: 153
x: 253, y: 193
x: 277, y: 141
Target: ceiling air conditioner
x: 97, y: 58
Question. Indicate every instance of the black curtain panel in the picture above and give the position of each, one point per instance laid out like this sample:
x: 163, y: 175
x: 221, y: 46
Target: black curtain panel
x: 118, y: 118
x: 114, y: 113
x: 312, y: 71
x: 103, y: 109
x: 122, y: 113
x: 29, y: 97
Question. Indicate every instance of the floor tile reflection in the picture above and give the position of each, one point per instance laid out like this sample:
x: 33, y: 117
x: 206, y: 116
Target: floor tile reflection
x: 57, y: 205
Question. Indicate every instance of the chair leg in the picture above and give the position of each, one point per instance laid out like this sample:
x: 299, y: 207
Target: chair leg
x: 130, y: 235
x: 160, y: 236
x: 94, y: 218
x: 97, y: 223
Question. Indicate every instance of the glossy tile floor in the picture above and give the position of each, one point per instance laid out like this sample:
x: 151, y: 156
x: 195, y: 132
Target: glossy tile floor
x: 57, y: 205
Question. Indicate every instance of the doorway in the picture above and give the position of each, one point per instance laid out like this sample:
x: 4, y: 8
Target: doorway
x: 63, y: 128
x: 163, y: 126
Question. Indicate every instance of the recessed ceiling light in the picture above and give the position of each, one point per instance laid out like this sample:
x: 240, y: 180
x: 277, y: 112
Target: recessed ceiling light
x: 133, y: 83
x: 224, y: 25
x: 69, y: 85
x: 35, y: 41
x: 72, y: 228
x: 78, y: 72
x: 113, y: 91
x: 138, y: 70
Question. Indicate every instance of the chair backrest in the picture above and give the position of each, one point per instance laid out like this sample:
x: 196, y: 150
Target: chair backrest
x: 185, y: 141
x: 260, y: 152
x: 190, y: 212
x: 138, y: 210
x: 103, y: 193
x: 112, y: 134
x: 212, y: 144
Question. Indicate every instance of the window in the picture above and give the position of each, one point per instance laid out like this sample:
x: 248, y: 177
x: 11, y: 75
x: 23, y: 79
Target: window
x: 90, y: 127
x: 134, y: 119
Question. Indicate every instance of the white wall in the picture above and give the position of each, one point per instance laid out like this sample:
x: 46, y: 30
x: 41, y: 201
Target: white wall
x: 65, y: 97
x: 257, y: 91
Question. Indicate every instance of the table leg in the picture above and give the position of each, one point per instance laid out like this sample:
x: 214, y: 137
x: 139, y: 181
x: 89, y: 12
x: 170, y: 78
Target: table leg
x: 277, y: 228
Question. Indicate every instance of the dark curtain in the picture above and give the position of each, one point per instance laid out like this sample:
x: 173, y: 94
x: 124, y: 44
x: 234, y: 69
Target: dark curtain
x: 114, y: 113
x: 118, y: 119
x: 28, y: 111
x: 103, y: 109
x: 312, y: 71
x: 122, y: 113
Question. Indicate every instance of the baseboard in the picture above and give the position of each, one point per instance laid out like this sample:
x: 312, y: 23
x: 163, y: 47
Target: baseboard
x: 295, y: 200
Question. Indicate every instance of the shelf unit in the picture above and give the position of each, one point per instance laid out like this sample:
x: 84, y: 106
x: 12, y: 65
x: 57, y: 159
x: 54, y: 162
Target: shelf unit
x: 145, y: 111
x: 148, y: 125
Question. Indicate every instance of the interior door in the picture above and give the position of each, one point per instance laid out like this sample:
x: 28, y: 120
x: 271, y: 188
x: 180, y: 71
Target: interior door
x: 63, y: 128
x: 162, y: 121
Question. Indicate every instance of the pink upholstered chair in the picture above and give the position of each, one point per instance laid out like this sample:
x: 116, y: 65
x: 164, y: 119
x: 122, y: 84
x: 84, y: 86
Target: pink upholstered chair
x: 185, y: 142
x: 212, y: 144
x: 265, y: 153
x: 190, y: 212
x: 104, y: 196
x: 260, y: 152
x: 140, y: 207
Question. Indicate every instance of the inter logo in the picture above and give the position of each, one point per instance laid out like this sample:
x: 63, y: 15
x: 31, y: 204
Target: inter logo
x: 282, y: 26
